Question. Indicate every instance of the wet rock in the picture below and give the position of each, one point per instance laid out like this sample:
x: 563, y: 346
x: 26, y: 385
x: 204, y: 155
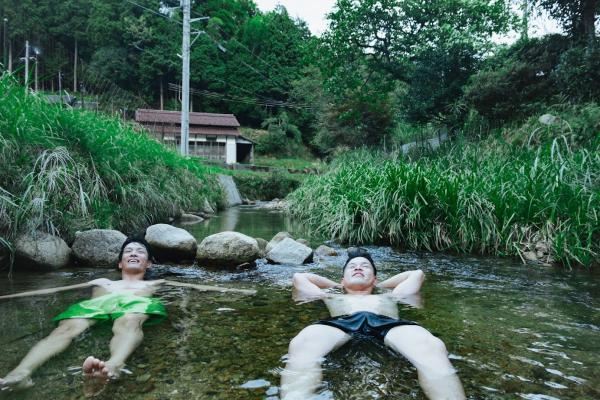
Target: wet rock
x: 171, y: 243
x: 276, y: 239
x: 289, y: 251
x: 548, y: 119
x: 227, y: 250
x: 190, y: 219
x: 207, y: 208
x: 262, y: 245
x: 325, y: 251
x: 98, y: 247
x: 530, y: 256
x: 255, y: 384
x: 40, y: 250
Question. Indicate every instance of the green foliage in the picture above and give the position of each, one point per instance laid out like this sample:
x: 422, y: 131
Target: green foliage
x: 532, y: 74
x: 428, y: 49
x: 67, y: 170
x: 486, y: 198
x: 577, y: 75
x: 282, y: 139
x: 266, y: 186
x: 517, y: 79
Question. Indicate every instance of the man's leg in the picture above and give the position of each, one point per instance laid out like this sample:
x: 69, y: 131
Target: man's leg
x: 303, y: 373
x: 127, y: 336
x: 56, y: 342
x: 429, y: 355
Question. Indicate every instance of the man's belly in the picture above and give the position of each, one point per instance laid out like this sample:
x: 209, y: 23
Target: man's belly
x: 350, y: 304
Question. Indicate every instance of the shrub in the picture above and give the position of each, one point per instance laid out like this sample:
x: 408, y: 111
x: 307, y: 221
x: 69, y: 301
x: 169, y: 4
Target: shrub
x: 266, y: 186
x: 487, y: 198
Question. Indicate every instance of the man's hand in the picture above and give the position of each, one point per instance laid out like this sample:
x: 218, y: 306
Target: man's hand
x: 404, y: 284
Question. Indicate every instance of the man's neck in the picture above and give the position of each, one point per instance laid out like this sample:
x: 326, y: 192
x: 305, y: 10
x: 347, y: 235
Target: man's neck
x: 362, y: 292
x: 128, y: 276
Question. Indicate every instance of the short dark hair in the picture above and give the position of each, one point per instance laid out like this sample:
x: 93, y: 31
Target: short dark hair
x: 140, y: 240
x: 354, y: 252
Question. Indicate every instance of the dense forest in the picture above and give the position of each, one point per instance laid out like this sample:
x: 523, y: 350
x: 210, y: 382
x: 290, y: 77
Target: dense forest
x: 405, y: 64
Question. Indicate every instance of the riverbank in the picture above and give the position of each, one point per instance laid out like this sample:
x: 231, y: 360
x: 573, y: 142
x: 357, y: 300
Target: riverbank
x: 531, y: 193
x: 66, y: 170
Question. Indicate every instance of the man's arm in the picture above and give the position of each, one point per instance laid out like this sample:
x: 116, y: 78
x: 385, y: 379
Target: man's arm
x: 206, y: 288
x: 405, y: 283
x: 48, y: 291
x: 309, y: 286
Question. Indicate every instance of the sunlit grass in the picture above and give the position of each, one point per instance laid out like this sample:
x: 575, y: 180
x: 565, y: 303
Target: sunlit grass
x: 485, y: 198
x: 64, y: 170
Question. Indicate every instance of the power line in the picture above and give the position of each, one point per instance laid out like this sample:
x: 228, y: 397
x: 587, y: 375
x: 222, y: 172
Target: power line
x: 154, y: 12
x: 240, y: 99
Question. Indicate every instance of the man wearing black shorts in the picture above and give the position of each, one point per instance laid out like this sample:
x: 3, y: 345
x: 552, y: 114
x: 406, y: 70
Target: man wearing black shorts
x: 358, y: 312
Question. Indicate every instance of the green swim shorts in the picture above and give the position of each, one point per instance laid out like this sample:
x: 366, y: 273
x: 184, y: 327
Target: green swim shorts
x: 114, y: 305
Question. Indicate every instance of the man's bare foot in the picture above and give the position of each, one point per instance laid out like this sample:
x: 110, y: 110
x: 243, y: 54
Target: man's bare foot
x: 96, y: 374
x: 16, y: 380
x: 95, y: 368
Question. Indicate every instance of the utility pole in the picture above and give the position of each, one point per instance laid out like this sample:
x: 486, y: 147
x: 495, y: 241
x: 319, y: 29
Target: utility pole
x: 60, y: 86
x: 4, y: 58
x: 26, y: 65
x: 185, y: 76
x: 37, y: 52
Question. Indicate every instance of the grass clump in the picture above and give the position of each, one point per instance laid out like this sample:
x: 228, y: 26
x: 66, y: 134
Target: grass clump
x: 65, y: 170
x: 486, y: 198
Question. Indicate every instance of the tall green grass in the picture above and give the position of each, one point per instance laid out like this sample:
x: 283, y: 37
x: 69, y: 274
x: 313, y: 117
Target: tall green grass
x: 64, y: 170
x: 486, y: 198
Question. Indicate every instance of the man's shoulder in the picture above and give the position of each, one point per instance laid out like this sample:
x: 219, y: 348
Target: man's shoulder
x: 101, y: 282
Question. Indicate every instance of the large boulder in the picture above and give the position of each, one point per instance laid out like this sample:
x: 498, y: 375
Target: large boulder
x: 39, y: 250
x: 276, y: 239
x: 227, y: 250
x: 170, y: 243
x: 288, y: 251
x: 98, y: 247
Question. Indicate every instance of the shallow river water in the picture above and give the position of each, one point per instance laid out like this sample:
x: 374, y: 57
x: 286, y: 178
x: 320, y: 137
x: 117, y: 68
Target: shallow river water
x: 513, y: 331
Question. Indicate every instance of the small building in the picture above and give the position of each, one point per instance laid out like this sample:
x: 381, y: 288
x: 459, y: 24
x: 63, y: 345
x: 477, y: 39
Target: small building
x: 212, y: 136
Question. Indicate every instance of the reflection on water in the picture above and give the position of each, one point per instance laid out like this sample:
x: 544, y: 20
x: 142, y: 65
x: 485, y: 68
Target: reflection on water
x: 512, y: 331
x: 250, y: 221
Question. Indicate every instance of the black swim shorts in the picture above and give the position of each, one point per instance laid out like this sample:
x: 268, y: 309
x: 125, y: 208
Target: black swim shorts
x: 365, y: 323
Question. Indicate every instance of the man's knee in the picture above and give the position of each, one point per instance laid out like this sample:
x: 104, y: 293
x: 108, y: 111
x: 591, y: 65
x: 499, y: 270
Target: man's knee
x: 70, y: 328
x: 316, y: 341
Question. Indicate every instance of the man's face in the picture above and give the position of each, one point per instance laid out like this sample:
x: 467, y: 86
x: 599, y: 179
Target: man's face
x: 135, y: 257
x: 359, y: 274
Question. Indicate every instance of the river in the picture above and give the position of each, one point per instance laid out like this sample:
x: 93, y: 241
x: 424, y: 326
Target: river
x: 513, y: 331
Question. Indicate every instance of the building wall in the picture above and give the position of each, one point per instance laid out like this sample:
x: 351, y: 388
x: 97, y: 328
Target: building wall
x: 231, y: 150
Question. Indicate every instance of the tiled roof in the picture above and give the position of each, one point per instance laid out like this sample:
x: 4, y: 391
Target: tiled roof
x: 196, y: 118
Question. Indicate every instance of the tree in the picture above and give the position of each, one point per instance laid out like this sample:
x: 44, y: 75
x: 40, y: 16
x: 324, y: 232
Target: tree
x: 578, y: 17
x: 431, y: 46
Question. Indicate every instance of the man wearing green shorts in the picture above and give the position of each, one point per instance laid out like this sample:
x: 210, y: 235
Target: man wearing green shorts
x: 127, y: 302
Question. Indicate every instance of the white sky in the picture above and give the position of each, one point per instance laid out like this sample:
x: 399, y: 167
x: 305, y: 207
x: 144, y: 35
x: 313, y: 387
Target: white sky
x: 314, y: 13
x: 311, y: 11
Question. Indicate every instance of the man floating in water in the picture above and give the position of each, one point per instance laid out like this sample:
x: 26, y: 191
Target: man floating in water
x: 127, y: 302
x: 360, y: 312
